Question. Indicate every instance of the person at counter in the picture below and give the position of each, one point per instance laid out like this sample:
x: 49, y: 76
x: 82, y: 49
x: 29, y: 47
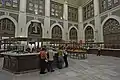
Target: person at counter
x: 50, y: 60
x: 60, y: 58
x: 43, y: 61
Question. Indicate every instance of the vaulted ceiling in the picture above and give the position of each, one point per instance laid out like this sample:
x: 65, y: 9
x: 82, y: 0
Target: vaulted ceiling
x: 74, y: 3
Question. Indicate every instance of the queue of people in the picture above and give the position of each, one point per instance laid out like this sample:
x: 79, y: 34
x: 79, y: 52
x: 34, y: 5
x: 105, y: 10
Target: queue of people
x: 49, y: 58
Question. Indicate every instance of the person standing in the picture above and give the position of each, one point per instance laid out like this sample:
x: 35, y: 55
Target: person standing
x: 65, y: 58
x: 50, y: 60
x: 99, y: 51
x: 60, y: 59
x: 43, y: 60
x: 88, y: 48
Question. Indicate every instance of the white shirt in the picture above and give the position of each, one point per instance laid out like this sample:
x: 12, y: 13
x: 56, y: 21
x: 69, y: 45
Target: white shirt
x: 51, y: 54
x: 65, y: 52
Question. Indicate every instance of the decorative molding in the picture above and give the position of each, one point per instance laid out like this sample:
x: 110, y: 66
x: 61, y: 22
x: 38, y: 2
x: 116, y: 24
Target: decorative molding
x: 117, y: 12
x: 2, y: 13
x: 103, y: 18
x: 109, y: 5
x: 6, y: 13
x: 52, y: 22
x: 9, y: 10
x: 58, y: 9
x: 92, y: 22
x: 41, y: 20
x: 13, y: 5
x: 76, y: 25
x: 111, y: 10
x: 72, y: 14
x: 38, y: 4
x: 29, y: 18
x: 15, y: 16
x: 84, y: 25
x: 88, y: 20
x: 57, y: 19
x: 61, y: 23
x: 69, y: 25
x: 87, y: 2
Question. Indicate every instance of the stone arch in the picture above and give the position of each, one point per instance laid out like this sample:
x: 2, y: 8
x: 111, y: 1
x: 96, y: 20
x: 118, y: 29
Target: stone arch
x: 34, y: 21
x: 111, y: 32
x: 13, y: 20
x: 109, y: 17
x: 89, y: 25
x: 52, y: 27
x: 70, y: 33
x: 89, y: 33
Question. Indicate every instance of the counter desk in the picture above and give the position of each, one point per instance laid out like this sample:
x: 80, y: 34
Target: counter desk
x: 20, y: 63
x: 77, y: 54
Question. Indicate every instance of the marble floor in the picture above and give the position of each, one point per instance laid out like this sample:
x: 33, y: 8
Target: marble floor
x: 93, y: 68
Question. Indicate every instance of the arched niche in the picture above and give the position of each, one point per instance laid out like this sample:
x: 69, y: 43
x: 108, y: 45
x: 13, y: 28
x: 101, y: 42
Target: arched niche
x: 35, y: 30
x: 111, y: 33
x: 56, y: 32
x: 73, y: 34
x: 7, y: 28
x: 89, y: 34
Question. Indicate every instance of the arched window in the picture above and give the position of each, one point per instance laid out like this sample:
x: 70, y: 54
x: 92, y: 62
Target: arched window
x: 73, y: 34
x: 89, y: 34
x: 56, y: 32
x: 111, y: 31
x: 7, y: 28
x: 35, y: 30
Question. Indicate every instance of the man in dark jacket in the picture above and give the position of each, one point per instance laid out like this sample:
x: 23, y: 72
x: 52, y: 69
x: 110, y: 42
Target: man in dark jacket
x: 65, y: 58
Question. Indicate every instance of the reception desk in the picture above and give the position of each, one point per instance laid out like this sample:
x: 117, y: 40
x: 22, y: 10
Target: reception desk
x: 21, y: 63
x: 77, y: 54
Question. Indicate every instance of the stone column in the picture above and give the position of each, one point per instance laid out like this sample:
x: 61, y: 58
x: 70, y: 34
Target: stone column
x: 97, y: 22
x: 80, y: 20
x: 65, y: 17
x: 47, y: 19
x: 22, y: 19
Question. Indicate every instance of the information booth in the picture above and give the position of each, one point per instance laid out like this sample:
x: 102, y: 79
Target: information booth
x: 17, y: 59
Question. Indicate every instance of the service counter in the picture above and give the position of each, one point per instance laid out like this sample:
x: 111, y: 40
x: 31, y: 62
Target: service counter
x: 77, y: 54
x: 105, y: 52
x: 1, y: 51
x: 20, y: 63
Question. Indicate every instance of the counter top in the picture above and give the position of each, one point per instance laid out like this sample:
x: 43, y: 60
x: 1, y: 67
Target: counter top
x: 18, y: 54
x: 107, y: 49
x: 76, y: 51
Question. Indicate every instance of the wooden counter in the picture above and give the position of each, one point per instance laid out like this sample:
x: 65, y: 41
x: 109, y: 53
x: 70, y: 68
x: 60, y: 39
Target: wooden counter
x: 20, y: 63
